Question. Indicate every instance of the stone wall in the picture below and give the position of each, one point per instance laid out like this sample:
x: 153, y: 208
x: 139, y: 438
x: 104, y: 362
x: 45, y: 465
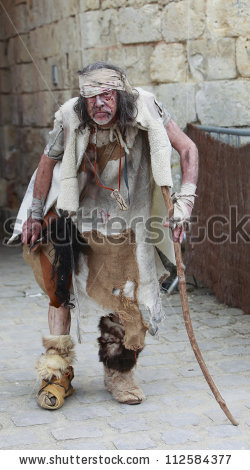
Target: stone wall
x: 193, y: 54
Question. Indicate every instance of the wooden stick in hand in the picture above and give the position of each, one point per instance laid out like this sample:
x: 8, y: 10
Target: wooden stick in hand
x: 186, y: 314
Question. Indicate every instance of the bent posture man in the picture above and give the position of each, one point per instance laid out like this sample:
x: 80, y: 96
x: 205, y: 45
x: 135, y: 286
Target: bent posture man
x: 100, y: 150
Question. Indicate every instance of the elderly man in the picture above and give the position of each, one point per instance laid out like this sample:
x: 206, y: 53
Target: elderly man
x: 96, y: 172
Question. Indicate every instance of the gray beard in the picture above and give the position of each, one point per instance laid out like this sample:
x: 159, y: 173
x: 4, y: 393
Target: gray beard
x: 102, y: 122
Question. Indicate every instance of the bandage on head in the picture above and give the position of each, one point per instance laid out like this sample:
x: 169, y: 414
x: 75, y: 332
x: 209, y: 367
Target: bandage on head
x: 102, y: 80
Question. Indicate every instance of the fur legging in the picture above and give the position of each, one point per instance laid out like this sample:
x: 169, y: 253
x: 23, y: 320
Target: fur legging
x: 111, y: 349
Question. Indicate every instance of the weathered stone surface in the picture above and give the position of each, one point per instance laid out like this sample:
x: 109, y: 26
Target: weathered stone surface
x: 68, y: 28
x: 24, y: 78
x: 139, y: 442
x: 3, y: 34
x: 83, y: 413
x: 9, y: 145
x: 99, y: 27
x: 101, y: 395
x: 237, y: 365
x: 142, y: 25
x: 74, y: 432
x: 74, y: 62
x: 3, y: 193
x: 66, y: 7
x: 41, y: 13
x: 224, y: 430
x: 183, y: 20
x: 50, y: 40
x: 43, y: 43
x: 85, y: 5
x: 32, y: 418
x: 166, y: 2
x: 47, y: 11
x: 145, y: 407
x: 157, y: 388
x: 5, y: 83
x: 125, y: 3
x: 179, y: 436
x: 179, y: 100
x: 5, y: 115
x: 3, y: 54
x: 226, y: 444
x: 8, y: 138
x: 20, y: 438
x: 212, y: 59
x: 33, y: 142
x: 113, y: 4
x: 67, y: 66
x: 134, y: 60
x: 38, y: 109
x: 16, y: 22
x: 243, y: 56
x: 168, y: 63
x: 224, y: 103
x: 19, y: 49
x: 127, y: 424
x: 234, y: 20
x: 180, y: 419
x: 85, y: 444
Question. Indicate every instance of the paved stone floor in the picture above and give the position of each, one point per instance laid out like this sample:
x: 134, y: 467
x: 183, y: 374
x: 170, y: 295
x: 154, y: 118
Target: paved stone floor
x: 179, y: 412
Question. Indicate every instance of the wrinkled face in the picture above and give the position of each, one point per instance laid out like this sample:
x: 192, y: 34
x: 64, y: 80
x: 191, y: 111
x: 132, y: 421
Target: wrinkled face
x: 102, y: 108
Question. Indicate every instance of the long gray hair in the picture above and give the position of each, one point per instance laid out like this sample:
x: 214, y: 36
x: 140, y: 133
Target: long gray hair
x: 126, y: 105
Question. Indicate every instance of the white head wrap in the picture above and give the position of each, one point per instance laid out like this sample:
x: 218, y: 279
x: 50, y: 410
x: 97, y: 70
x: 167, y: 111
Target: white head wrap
x: 101, y: 80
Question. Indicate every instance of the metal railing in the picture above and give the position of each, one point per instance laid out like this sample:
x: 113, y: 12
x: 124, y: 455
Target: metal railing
x: 228, y: 131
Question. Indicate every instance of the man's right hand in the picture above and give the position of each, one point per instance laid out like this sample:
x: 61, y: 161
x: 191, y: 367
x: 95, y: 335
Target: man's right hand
x: 32, y: 229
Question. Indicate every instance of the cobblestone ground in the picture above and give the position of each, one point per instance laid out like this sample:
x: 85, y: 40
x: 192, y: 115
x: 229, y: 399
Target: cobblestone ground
x: 179, y: 412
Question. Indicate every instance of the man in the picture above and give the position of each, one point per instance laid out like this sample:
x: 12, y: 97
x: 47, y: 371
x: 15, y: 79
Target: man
x: 101, y: 151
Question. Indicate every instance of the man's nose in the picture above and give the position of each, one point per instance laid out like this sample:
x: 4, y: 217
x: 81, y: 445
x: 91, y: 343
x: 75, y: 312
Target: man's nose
x: 98, y: 100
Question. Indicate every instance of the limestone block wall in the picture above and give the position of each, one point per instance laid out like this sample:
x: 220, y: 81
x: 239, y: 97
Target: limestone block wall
x: 193, y: 54
x: 32, y: 40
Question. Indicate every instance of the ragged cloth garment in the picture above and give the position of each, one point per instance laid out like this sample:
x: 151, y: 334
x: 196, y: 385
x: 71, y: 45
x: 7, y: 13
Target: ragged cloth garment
x: 112, y: 277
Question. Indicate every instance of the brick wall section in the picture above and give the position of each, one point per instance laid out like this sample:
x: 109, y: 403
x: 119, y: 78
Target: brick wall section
x: 223, y: 183
x: 193, y: 54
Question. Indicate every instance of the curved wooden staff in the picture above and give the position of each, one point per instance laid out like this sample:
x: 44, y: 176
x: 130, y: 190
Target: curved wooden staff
x: 186, y: 315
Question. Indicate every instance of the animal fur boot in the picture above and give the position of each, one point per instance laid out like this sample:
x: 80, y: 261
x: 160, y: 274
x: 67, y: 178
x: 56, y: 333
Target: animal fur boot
x: 118, y: 361
x: 123, y: 387
x: 55, y: 369
x: 112, y: 351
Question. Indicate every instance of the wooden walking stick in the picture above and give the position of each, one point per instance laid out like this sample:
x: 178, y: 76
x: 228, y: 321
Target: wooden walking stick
x: 186, y: 314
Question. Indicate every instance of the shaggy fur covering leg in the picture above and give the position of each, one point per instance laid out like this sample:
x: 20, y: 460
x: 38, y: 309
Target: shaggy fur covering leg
x: 58, y: 357
x: 65, y: 238
x: 111, y: 349
x: 123, y: 387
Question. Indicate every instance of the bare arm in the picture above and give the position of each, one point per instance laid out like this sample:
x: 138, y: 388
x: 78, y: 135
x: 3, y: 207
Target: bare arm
x: 32, y: 227
x: 187, y: 150
x: 189, y: 163
x: 44, y: 177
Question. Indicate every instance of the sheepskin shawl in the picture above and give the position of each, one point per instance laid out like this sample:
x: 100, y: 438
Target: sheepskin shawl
x: 147, y: 119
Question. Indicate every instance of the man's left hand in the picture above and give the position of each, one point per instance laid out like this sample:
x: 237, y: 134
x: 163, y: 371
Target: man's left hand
x: 179, y: 231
